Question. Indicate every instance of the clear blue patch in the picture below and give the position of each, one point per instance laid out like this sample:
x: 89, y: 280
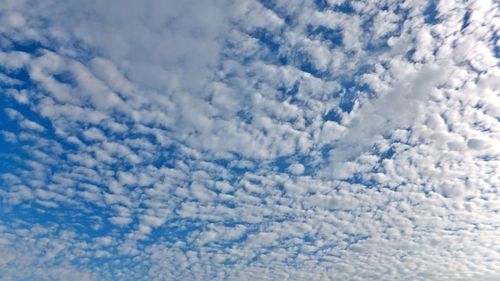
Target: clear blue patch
x: 334, y: 37
x: 31, y: 47
x: 388, y: 154
x: 166, y: 158
x: 267, y: 39
x: 272, y: 44
x: 465, y: 20
x: 357, y: 178
x: 333, y: 115
x: 281, y: 164
x: 431, y: 13
x: 65, y: 78
x: 245, y: 116
x: 351, y: 91
x: 289, y: 94
x: 282, y: 13
x: 321, y: 4
x: 409, y: 55
x: 21, y: 75
x: 307, y: 66
x: 269, y: 4
x: 174, y: 230
x: 345, y: 8
x: 496, y: 48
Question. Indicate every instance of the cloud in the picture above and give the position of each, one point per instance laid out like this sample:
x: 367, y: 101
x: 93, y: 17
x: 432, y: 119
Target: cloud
x: 324, y: 140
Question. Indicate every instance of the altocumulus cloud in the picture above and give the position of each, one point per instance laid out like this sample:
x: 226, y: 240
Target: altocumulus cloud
x: 249, y: 140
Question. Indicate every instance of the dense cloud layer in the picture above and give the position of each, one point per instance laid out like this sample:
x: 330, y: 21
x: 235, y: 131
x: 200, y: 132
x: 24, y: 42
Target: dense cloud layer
x: 249, y: 140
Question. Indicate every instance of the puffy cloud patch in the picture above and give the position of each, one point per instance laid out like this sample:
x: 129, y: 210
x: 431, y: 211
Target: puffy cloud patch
x: 261, y: 140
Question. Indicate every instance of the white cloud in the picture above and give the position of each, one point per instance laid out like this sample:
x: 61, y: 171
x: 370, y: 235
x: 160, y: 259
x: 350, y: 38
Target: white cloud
x: 187, y: 140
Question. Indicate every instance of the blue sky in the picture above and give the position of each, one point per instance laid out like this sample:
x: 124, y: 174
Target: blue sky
x: 249, y: 140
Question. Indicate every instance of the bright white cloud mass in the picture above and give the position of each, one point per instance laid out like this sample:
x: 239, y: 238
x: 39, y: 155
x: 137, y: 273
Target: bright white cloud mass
x: 249, y: 140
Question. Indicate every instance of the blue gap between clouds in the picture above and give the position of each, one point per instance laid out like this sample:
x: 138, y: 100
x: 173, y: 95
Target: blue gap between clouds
x: 322, y: 4
x: 333, y: 36
x: 333, y: 115
x: 351, y: 91
x: 270, y: 41
x: 465, y: 21
x: 344, y: 7
x: 282, y: 13
x: 431, y: 13
x: 496, y: 47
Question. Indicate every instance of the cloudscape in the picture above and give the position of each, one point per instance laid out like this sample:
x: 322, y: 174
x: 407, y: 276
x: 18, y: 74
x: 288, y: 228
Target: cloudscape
x: 249, y: 140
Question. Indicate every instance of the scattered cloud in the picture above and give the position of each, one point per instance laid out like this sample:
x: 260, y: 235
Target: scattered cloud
x: 270, y: 140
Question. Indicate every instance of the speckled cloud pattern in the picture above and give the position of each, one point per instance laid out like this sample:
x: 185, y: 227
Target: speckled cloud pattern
x: 249, y: 140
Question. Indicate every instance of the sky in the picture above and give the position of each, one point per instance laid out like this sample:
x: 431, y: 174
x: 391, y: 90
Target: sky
x: 249, y: 140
